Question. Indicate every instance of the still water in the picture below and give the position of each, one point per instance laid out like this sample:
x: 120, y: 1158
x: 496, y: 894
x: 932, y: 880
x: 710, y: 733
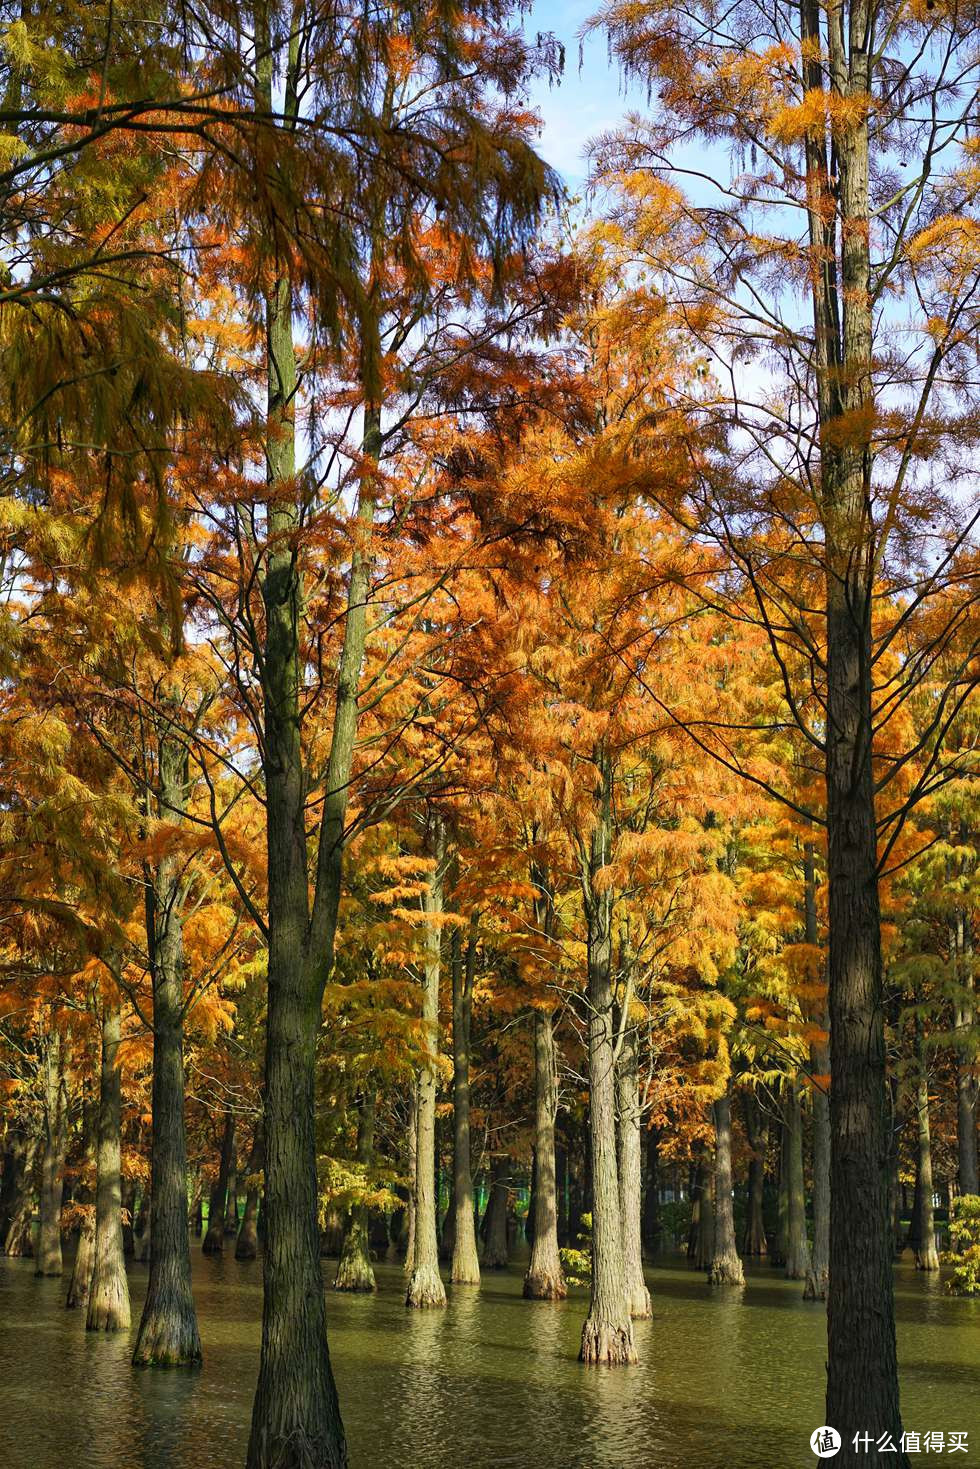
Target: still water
x: 726, y: 1381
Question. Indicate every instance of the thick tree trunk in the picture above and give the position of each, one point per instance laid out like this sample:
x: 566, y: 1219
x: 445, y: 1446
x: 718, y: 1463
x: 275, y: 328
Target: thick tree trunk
x: 545, y: 1279
x: 725, y: 1267
x: 18, y: 1165
x: 84, y: 1195
x: 19, y: 1241
x: 465, y: 1269
x: 355, y: 1271
x: 425, y: 1287
x: 168, y: 1334
x: 495, y: 1244
x: 247, y: 1243
x: 797, y: 1245
x: 214, y: 1240
x: 630, y: 1176
x: 756, y: 1132
x: 108, y: 1306
x: 607, y: 1335
x: 49, y: 1257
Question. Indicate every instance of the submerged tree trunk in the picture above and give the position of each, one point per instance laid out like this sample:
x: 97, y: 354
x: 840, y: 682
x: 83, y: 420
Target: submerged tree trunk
x: 545, y: 1279
x: 108, y: 1306
x: 607, y: 1335
x: 247, y: 1243
x: 214, y: 1240
x: 84, y: 1196
x: 465, y: 1268
x: 168, y: 1334
x: 425, y: 1287
x: 495, y: 1250
x: 49, y: 1257
x: 19, y: 1237
x: 797, y: 1248
x: 355, y: 1271
x: 630, y: 1175
x: 756, y: 1132
x: 967, y: 1086
x: 725, y: 1267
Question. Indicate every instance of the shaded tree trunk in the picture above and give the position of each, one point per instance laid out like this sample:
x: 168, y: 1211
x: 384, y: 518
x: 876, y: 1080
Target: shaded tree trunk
x: 924, y: 1226
x: 495, y: 1244
x: 355, y: 1271
x: 108, y: 1305
x: 19, y: 1241
x: 725, y: 1267
x: 247, y: 1243
x: 630, y: 1175
x: 49, y: 1256
x: 81, y: 1270
x: 168, y: 1334
x: 797, y: 1246
x: 465, y: 1269
x: 214, y: 1240
x: 545, y: 1279
x: 818, y: 1270
x: 652, y: 1221
x: 967, y: 1086
x: 756, y: 1132
x: 425, y: 1287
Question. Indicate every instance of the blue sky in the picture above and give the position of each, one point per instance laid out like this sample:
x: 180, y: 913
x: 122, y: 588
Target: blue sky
x: 588, y: 100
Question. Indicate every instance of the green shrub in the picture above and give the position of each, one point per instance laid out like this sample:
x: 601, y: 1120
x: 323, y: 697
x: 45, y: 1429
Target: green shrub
x: 964, y: 1257
x: 577, y: 1263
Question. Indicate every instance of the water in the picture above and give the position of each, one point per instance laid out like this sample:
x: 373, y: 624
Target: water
x: 726, y: 1381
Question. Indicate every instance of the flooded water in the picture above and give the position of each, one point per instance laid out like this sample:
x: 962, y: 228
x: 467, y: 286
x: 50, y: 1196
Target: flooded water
x: 726, y: 1381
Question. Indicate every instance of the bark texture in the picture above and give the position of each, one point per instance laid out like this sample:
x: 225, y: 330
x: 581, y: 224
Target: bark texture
x: 214, y: 1240
x: 355, y: 1271
x: 55, y: 1146
x: 545, y: 1278
x: 465, y: 1268
x: 108, y: 1304
x: 630, y: 1175
x: 725, y: 1267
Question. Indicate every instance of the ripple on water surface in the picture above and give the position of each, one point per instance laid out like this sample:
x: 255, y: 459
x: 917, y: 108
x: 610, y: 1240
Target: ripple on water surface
x: 726, y: 1381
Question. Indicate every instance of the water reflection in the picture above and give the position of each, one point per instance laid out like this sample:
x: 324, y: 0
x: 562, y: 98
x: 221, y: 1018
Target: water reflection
x: 727, y: 1378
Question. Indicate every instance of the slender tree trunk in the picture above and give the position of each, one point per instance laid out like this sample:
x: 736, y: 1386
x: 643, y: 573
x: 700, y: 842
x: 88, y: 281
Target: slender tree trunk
x: 607, y: 1335
x: 756, y: 1132
x: 81, y: 1270
x: 797, y: 1246
x: 652, y: 1222
x: 966, y: 1058
x: 108, y: 1305
x: 926, y: 1256
x: 49, y: 1257
x: 355, y: 1271
x: 214, y: 1240
x: 247, y: 1243
x: 725, y: 1267
x: 425, y: 1287
x: 19, y: 1241
x: 704, y: 1244
x: 465, y: 1268
x: 411, y: 1169
x: 630, y: 1175
x: 168, y: 1334
x: 818, y: 1271
x: 545, y: 1279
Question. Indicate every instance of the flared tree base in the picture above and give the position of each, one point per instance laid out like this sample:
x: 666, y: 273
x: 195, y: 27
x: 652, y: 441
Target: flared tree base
x: 605, y: 1345
x: 638, y: 1301
x: 817, y: 1282
x: 81, y: 1274
x: 247, y: 1243
x: 545, y: 1285
x: 425, y: 1289
x: 108, y: 1306
x: 726, y: 1270
x: 927, y: 1259
x: 168, y: 1339
x: 466, y: 1272
x: 355, y: 1273
x: 214, y: 1240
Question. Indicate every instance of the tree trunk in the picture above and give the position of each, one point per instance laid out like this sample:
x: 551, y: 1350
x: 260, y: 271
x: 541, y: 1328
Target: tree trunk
x: 818, y: 1275
x: 168, y: 1334
x: 214, y: 1240
x: 926, y: 1256
x: 49, y: 1257
x: 630, y: 1176
x: 797, y: 1246
x: 725, y: 1267
x: 607, y: 1335
x: 19, y: 1241
x: 355, y: 1271
x: 84, y: 1196
x: 247, y: 1243
x: 108, y: 1306
x: 425, y: 1287
x: 653, y: 1230
x: 545, y: 1279
x: 966, y: 1058
x: 465, y: 1269
x: 756, y: 1132
x: 495, y: 1250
